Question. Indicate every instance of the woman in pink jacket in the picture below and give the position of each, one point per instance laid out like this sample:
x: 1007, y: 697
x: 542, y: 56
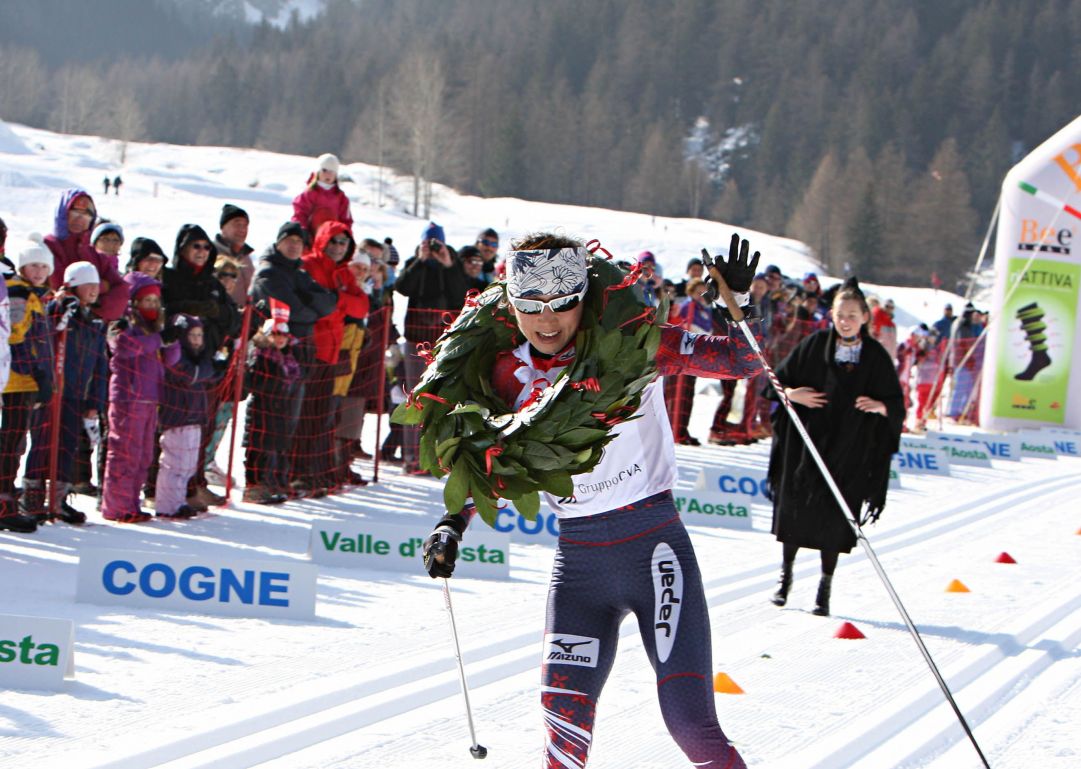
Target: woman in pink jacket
x: 70, y: 243
x: 322, y: 200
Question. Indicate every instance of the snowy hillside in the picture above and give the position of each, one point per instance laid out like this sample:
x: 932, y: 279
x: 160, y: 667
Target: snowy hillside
x: 371, y: 681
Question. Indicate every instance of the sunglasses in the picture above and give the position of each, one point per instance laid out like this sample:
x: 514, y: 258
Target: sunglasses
x: 200, y: 246
x: 87, y: 212
x: 340, y: 241
x: 489, y: 243
x: 227, y: 276
x: 559, y: 304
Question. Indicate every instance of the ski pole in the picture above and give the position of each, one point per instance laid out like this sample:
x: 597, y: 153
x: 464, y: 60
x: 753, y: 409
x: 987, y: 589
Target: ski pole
x: 476, y: 749
x: 737, y: 317
x: 55, y: 410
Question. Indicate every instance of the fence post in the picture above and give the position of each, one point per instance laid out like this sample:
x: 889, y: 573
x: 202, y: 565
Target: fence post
x: 377, y: 454
x: 55, y: 408
x: 240, y: 357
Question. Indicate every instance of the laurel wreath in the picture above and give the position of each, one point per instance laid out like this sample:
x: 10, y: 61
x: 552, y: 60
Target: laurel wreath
x: 490, y: 451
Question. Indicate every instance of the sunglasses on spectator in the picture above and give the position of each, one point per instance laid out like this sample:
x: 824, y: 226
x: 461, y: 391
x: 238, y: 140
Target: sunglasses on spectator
x: 536, y: 306
x: 90, y: 213
x: 200, y: 246
x: 489, y: 243
x: 227, y: 276
x: 340, y: 241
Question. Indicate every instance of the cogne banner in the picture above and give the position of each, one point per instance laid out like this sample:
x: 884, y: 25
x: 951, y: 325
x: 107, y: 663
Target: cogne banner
x: 1034, y: 334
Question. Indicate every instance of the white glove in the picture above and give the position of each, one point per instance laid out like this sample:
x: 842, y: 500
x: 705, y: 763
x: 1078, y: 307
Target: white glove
x: 93, y: 431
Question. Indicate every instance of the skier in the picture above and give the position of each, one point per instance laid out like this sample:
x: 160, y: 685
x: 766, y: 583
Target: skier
x: 845, y: 388
x: 622, y: 546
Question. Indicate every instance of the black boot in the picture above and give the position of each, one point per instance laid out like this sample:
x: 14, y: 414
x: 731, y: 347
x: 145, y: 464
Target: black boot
x: 822, y: 600
x: 32, y: 501
x: 64, y: 511
x: 780, y: 598
x: 12, y: 520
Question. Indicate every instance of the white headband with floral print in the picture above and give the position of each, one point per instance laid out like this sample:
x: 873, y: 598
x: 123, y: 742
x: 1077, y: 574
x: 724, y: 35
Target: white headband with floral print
x: 547, y: 271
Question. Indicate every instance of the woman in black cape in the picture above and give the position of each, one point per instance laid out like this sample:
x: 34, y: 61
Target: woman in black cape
x: 845, y: 389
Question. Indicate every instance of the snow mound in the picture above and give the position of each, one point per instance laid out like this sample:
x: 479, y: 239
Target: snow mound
x: 10, y: 143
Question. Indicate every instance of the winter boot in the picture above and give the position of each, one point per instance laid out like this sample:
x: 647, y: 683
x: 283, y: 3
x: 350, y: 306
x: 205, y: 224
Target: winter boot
x: 780, y: 598
x: 12, y: 520
x: 259, y: 495
x: 64, y: 511
x: 135, y: 516
x: 184, y: 511
x: 822, y: 600
x: 32, y: 501
x: 207, y: 497
x: 1031, y: 317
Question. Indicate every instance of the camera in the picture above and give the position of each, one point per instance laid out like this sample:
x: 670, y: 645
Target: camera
x: 434, y: 245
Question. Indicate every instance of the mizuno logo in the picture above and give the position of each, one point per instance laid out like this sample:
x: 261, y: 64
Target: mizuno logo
x: 563, y: 649
x: 567, y: 646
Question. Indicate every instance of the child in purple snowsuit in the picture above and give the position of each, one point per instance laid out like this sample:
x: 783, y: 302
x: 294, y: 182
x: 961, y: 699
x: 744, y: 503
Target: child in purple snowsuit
x: 185, y: 411
x: 134, y: 393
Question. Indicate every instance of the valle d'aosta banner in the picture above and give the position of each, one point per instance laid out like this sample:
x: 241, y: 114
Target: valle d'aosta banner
x: 1034, y: 335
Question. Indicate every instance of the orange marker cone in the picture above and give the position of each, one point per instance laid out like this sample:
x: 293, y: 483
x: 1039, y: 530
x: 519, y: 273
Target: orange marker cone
x: 1005, y: 557
x: 957, y: 586
x: 722, y: 684
x: 848, y: 631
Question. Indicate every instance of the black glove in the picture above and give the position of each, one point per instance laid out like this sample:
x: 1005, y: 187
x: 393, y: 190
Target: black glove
x: 45, y: 391
x: 170, y: 334
x: 443, y: 541
x: 737, y: 270
x: 68, y: 306
x: 120, y: 325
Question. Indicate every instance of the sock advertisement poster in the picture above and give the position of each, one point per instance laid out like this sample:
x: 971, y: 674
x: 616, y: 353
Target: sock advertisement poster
x: 1033, y: 334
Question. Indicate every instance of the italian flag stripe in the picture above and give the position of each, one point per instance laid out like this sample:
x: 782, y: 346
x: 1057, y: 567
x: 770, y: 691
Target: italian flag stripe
x: 1026, y: 187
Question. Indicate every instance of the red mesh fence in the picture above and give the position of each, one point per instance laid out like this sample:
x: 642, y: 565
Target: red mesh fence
x: 422, y: 329
x: 113, y: 404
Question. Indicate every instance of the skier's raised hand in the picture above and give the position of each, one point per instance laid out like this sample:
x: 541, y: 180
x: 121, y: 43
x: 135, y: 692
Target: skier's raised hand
x: 737, y: 270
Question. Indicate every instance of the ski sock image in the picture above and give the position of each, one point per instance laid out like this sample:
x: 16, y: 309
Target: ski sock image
x: 1031, y: 317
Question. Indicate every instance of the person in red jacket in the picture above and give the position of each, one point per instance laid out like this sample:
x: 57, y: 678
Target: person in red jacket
x: 70, y: 243
x: 322, y: 200
x: 328, y: 265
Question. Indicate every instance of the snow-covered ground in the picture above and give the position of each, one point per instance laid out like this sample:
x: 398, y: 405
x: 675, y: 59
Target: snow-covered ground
x: 372, y: 680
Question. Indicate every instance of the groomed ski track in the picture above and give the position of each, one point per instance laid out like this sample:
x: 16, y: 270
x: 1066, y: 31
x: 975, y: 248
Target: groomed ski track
x: 405, y: 709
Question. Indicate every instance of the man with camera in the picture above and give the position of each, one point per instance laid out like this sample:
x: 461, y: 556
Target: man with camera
x: 435, y: 283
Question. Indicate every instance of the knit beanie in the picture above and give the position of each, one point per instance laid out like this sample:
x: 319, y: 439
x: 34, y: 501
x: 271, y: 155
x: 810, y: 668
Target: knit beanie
x: 80, y: 274
x: 140, y: 285
x: 229, y: 211
x: 433, y: 230
x: 33, y: 251
x: 104, y: 227
x: 292, y: 228
x: 328, y: 162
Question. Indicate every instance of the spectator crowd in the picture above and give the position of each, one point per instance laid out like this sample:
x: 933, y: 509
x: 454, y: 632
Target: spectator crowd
x: 145, y: 369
